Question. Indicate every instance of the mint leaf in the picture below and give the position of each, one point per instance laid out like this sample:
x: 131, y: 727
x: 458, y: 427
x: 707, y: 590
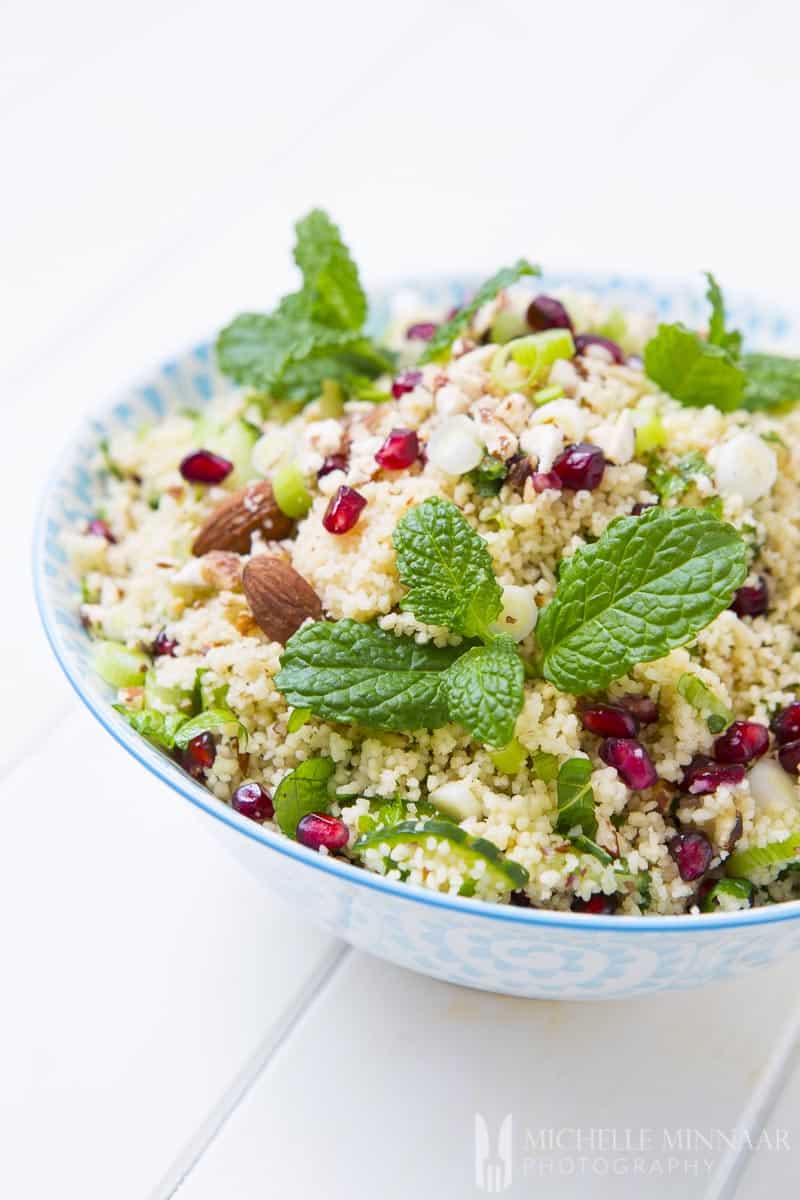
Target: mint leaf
x: 447, y: 333
x: 304, y: 790
x: 576, y: 799
x: 718, y: 333
x: 346, y: 671
x: 446, y: 566
x: 484, y: 690
x: 692, y: 370
x: 330, y: 277
x: 489, y: 475
x: 772, y: 381
x: 670, y: 482
x: 151, y: 723
x: 649, y: 584
x: 206, y: 722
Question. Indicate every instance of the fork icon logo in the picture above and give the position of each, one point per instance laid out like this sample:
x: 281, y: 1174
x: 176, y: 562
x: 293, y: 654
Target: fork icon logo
x: 493, y: 1164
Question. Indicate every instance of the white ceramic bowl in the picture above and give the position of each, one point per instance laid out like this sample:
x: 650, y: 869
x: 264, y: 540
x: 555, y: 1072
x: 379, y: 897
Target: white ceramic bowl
x: 522, y: 952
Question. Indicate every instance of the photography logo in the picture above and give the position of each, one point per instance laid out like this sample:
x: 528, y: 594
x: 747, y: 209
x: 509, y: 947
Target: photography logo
x: 493, y: 1162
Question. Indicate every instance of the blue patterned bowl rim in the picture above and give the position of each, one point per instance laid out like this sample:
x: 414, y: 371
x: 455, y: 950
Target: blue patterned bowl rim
x: 765, y: 326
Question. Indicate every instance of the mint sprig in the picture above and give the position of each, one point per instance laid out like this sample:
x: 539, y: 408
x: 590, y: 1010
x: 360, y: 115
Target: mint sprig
x: 649, y: 584
x: 439, y: 345
x: 352, y: 672
x: 713, y: 370
x: 313, y: 335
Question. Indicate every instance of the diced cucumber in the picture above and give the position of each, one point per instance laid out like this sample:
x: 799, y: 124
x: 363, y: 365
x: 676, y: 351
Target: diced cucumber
x: 234, y: 441
x: 503, y: 872
x: 118, y: 666
x: 740, y: 890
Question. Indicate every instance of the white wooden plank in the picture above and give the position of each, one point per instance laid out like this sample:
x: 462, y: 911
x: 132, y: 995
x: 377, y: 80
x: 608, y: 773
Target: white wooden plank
x: 377, y: 1091
x: 143, y: 971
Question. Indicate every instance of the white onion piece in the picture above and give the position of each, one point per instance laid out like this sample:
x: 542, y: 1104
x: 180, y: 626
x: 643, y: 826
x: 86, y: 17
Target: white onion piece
x: 745, y: 466
x: 270, y: 449
x: 456, y: 800
x: 456, y: 446
x: 519, y: 612
x: 770, y: 783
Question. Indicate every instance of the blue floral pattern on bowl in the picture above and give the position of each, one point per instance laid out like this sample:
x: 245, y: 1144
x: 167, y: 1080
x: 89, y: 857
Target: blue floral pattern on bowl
x: 521, y: 952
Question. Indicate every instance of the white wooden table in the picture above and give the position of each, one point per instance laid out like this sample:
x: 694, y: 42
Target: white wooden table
x: 164, y: 1023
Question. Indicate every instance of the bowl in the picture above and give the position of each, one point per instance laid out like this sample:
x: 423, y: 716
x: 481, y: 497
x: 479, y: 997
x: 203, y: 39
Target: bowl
x: 519, y: 952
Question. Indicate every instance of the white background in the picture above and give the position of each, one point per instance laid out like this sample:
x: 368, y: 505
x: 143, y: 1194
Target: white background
x: 152, y: 159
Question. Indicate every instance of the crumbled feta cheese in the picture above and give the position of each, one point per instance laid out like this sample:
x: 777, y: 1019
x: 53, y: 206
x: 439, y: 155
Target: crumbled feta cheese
x: 566, y: 414
x: 616, y: 438
x: 544, y: 443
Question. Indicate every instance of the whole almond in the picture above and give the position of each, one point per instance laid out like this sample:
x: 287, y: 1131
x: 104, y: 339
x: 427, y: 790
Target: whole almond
x: 233, y: 522
x: 280, y: 599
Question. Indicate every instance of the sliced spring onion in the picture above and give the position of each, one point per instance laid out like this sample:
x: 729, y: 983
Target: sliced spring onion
x: 744, y: 862
x: 526, y: 361
x: 290, y: 491
x: 553, y: 392
x: 736, y: 889
x: 697, y: 693
x: 503, y: 872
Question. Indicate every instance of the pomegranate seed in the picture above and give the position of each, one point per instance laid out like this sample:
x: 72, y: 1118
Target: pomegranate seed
x: 199, y: 755
x: 584, y: 340
x: 334, y: 462
x: 580, y: 468
x: 204, y: 467
x: 406, y: 383
x: 344, y: 510
x: 643, y: 708
x: 609, y: 720
x: 752, y: 601
x: 598, y: 904
x: 786, y: 723
x: 693, y: 854
x: 101, y: 529
x: 789, y: 757
x: 423, y: 331
x: 399, y: 451
x: 639, y: 508
x: 164, y: 646
x: 253, y: 801
x: 742, y: 742
x: 703, y: 775
x: 631, y: 762
x: 545, y: 312
x: 317, y: 830
x: 546, y: 481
